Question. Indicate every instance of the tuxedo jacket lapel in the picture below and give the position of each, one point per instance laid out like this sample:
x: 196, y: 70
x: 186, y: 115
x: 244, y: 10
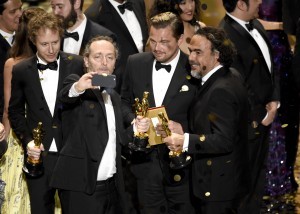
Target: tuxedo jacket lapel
x: 178, y: 78
x: 36, y: 85
x: 247, y: 35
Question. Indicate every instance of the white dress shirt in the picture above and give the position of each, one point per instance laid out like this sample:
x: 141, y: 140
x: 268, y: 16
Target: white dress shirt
x: 258, y: 39
x: 132, y: 24
x: 8, y: 36
x: 161, y: 80
x: 70, y: 44
x: 49, y: 83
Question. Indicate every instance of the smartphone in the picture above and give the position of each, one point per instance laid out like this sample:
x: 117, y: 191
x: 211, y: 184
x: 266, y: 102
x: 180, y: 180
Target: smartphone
x: 104, y: 80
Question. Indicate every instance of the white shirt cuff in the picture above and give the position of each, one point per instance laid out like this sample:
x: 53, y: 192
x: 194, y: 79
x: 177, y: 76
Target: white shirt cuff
x: 185, y: 146
x: 73, y: 92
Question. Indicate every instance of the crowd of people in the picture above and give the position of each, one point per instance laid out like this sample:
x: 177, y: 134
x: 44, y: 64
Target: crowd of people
x: 74, y: 76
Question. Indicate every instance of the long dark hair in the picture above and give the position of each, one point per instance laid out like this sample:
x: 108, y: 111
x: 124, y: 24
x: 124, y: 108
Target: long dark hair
x: 161, y: 6
x: 22, y: 46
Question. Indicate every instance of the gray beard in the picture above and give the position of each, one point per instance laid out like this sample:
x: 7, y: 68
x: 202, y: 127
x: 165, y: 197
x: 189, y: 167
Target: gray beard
x: 196, y: 74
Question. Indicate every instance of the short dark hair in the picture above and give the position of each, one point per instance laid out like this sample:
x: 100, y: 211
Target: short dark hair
x: 230, y: 5
x: 2, y: 7
x: 166, y: 19
x: 219, y: 42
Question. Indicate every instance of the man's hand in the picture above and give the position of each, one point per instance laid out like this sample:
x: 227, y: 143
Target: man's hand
x: 85, y: 82
x: 142, y: 124
x: 173, y: 126
x: 34, y: 152
x: 272, y: 110
x: 174, y: 142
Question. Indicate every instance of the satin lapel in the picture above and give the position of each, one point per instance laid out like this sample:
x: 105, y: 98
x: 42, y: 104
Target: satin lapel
x: 246, y: 34
x: 101, y: 101
x: 179, y: 76
x: 116, y: 104
x: 265, y: 37
x: 210, y: 81
x: 36, y: 85
x: 62, y: 73
x: 139, y: 15
x: 111, y: 12
x: 147, y: 76
x: 4, y: 43
x: 86, y: 34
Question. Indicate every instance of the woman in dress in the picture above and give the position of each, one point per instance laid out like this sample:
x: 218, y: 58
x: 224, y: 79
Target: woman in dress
x: 16, y: 193
x: 187, y: 10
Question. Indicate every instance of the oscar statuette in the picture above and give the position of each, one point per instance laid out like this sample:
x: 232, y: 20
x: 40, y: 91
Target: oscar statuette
x: 34, y: 168
x: 179, y: 159
x: 140, y: 139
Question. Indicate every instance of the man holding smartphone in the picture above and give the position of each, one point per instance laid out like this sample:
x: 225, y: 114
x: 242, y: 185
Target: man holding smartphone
x: 88, y: 170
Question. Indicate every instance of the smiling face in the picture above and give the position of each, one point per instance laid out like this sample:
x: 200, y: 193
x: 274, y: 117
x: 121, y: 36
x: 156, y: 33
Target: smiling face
x: 202, y: 59
x: 10, y: 17
x: 47, y: 42
x: 188, y: 9
x: 101, y: 57
x: 163, y: 44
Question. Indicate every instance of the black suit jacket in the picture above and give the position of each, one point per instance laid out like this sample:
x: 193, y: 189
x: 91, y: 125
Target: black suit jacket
x: 92, y: 29
x: 262, y: 84
x: 290, y: 15
x: 103, y: 13
x: 4, y: 48
x: 85, y: 136
x: 219, y: 112
x: 27, y: 104
x: 138, y: 78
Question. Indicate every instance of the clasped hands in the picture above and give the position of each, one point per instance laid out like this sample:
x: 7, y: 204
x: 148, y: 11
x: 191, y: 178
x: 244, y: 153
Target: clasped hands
x: 34, y: 152
x: 174, y: 142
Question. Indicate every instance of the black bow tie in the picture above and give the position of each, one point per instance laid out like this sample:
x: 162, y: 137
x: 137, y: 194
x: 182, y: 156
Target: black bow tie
x: 73, y: 35
x: 249, y: 26
x: 51, y: 66
x: 158, y: 66
x: 127, y: 5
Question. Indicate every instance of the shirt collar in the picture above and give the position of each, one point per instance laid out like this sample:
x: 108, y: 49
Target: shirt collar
x: 241, y: 22
x: 80, y: 29
x: 173, y: 63
x: 208, y: 75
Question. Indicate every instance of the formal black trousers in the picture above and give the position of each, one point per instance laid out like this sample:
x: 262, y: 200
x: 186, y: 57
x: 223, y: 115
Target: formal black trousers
x: 258, y: 152
x: 40, y: 193
x: 155, y: 195
x: 103, y: 201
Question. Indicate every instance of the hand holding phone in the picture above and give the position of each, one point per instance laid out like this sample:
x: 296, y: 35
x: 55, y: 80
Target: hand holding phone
x: 104, y: 80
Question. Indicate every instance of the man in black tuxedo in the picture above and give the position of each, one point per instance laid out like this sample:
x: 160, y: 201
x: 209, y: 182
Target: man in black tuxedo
x: 35, y: 83
x: 10, y: 13
x: 291, y: 26
x: 79, y: 29
x: 255, y: 63
x: 217, y: 138
x: 89, y: 169
x: 128, y: 24
x: 164, y: 73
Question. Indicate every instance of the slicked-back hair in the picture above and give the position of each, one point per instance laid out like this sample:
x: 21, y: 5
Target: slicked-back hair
x: 220, y: 43
x: 230, y: 5
x: 44, y: 21
x: 2, y: 7
x: 166, y: 19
